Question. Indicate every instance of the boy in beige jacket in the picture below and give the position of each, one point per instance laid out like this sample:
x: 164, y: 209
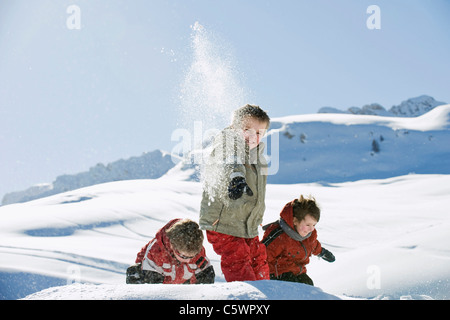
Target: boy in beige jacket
x: 233, y: 204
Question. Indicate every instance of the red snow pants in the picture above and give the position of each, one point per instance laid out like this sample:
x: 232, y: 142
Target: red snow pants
x: 242, y: 259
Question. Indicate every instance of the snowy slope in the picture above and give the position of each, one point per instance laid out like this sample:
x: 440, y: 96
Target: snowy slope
x: 345, y: 147
x: 390, y: 238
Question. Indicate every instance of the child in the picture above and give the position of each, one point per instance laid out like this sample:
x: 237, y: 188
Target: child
x: 233, y: 204
x: 291, y: 240
x: 176, y: 256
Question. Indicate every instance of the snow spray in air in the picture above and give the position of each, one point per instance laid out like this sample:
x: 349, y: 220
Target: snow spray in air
x: 211, y: 89
x: 210, y: 92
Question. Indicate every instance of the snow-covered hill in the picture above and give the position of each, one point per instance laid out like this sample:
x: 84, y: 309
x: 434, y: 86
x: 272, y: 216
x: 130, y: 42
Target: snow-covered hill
x: 390, y: 238
x: 150, y: 165
x: 344, y: 147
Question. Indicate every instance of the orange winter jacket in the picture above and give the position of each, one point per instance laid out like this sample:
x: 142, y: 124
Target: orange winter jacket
x: 287, y: 251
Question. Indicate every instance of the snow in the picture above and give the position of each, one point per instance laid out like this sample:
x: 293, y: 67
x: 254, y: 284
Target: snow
x: 389, y: 237
x: 251, y: 290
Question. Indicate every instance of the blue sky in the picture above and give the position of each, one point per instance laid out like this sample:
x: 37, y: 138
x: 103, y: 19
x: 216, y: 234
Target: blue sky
x: 72, y: 98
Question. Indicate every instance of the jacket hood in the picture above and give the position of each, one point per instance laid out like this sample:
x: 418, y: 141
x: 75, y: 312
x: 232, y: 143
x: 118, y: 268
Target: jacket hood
x: 287, y: 214
x: 161, y: 236
x: 287, y: 222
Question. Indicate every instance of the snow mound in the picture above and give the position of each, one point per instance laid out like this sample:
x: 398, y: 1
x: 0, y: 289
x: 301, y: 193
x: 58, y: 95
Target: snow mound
x: 252, y: 290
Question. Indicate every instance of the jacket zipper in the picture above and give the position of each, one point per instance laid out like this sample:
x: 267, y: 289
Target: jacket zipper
x: 306, y: 251
x: 216, y: 223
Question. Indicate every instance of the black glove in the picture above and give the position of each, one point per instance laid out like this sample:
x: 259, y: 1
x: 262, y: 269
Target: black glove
x: 134, y: 274
x: 206, y: 276
x: 237, y: 187
x: 326, y: 255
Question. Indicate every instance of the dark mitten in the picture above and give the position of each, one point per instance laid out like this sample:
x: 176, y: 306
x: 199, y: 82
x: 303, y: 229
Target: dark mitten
x: 237, y: 187
x: 134, y: 274
x: 291, y: 277
x: 326, y: 255
x: 152, y: 277
x: 206, y: 276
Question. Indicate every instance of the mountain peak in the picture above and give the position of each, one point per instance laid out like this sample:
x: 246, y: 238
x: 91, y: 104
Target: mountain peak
x: 412, y: 107
x: 415, y: 106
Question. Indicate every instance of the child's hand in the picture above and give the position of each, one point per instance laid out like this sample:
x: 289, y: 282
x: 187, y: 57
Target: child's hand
x: 326, y: 255
x: 237, y: 187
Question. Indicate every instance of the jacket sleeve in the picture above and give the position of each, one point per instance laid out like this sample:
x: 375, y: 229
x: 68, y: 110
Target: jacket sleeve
x: 144, y: 274
x: 317, y: 246
x: 205, y: 271
x: 227, y: 158
x: 151, y: 260
x: 141, y: 254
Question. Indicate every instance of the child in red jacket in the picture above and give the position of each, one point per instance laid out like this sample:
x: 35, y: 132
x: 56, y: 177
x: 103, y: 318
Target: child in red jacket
x: 292, y: 240
x: 176, y: 255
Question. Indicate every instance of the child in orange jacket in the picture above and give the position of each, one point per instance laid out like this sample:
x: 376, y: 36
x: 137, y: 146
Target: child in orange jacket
x: 292, y: 239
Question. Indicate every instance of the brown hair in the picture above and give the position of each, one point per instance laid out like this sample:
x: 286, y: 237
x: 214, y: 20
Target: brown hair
x: 303, y: 207
x: 250, y: 111
x: 185, y: 235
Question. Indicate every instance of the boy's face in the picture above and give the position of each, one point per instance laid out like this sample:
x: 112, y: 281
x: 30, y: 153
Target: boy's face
x: 253, y: 130
x: 305, y: 226
x: 182, y: 256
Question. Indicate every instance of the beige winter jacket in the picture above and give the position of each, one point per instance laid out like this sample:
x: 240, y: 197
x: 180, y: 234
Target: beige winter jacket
x: 229, y: 158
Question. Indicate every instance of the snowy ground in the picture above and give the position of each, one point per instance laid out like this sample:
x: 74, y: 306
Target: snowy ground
x: 390, y: 238
x: 251, y: 290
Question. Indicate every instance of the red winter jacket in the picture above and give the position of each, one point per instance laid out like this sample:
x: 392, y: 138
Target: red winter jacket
x: 157, y: 256
x: 285, y: 254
